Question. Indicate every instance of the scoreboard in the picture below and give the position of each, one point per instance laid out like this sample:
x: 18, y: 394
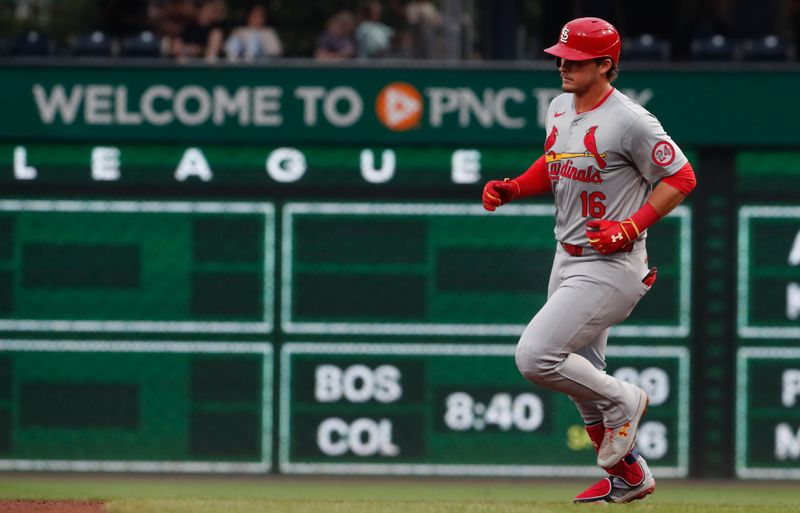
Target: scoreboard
x: 339, y: 270
x: 768, y: 413
x: 769, y: 267
x: 426, y: 272
x: 768, y: 360
x: 431, y: 269
x: 164, y: 231
x: 129, y: 266
x: 120, y: 405
x: 460, y: 410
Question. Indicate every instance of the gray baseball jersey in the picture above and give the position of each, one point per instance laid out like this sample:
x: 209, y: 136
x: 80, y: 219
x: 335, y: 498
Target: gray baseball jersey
x: 603, y: 162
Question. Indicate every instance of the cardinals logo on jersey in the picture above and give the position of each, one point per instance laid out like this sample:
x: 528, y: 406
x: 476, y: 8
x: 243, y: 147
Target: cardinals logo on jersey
x: 589, y: 143
x: 566, y: 169
x: 591, y: 147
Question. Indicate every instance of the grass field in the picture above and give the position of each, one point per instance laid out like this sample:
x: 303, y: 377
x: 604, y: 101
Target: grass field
x: 170, y: 494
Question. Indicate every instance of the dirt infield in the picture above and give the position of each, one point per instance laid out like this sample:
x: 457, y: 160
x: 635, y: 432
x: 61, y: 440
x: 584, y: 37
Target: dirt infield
x: 20, y: 506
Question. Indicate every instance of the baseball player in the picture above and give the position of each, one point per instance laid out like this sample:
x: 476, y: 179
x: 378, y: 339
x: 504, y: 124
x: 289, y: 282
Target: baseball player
x: 614, y: 172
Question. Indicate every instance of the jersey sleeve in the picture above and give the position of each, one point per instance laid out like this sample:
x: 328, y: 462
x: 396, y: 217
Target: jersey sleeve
x: 651, y: 150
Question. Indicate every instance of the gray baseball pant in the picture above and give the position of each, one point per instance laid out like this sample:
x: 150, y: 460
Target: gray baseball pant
x: 563, y: 347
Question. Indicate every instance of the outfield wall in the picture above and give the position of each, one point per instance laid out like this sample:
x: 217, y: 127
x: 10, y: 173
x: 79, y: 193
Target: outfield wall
x: 287, y: 269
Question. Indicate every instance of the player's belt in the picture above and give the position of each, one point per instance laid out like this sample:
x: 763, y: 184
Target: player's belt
x: 577, y: 251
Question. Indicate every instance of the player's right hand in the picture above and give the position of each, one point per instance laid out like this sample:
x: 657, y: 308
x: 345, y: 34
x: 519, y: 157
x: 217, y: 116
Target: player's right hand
x: 496, y: 193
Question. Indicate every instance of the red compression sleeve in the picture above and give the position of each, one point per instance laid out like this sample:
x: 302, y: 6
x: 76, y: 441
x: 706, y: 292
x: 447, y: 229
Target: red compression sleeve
x: 644, y: 218
x: 683, y: 179
x: 535, y: 180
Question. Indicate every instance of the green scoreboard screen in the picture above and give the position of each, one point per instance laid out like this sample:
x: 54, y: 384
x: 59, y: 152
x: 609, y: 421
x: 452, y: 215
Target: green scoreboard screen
x: 769, y: 272
x: 768, y: 413
x: 768, y: 362
x: 460, y: 410
x: 423, y: 273
x: 135, y: 406
x: 143, y: 266
x: 433, y: 269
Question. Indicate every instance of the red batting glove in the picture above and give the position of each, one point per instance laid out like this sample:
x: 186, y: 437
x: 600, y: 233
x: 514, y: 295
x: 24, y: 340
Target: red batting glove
x: 610, y: 236
x: 496, y: 193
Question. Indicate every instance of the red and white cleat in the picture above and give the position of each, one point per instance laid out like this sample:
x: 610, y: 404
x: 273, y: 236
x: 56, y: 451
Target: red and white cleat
x: 631, y: 480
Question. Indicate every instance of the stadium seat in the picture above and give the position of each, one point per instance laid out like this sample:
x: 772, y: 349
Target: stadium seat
x: 31, y: 44
x: 96, y: 44
x: 765, y: 48
x: 145, y: 44
x: 645, y: 48
x: 713, y: 48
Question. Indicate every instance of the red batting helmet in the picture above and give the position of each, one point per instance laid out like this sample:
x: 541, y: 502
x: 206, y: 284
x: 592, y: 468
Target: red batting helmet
x: 587, y: 38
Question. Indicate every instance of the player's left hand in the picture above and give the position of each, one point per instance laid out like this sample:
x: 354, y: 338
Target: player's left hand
x: 608, y: 237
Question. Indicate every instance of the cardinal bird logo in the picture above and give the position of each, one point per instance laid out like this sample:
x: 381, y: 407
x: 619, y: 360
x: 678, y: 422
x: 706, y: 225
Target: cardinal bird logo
x: 551, y: 139
x: 591, y: 147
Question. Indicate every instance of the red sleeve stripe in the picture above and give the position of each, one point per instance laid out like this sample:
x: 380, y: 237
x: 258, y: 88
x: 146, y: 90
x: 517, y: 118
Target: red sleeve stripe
x: 683, y: 180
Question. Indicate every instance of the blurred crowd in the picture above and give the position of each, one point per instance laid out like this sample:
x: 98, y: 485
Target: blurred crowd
x: 211, y: 30
x: 334, y: 30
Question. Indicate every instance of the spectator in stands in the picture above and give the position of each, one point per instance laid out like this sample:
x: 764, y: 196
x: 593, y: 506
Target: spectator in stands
x: 204, y: 36
x: 424, y: 23
x: 337, y: 43
x: 169, y: 18
x: 254, y: 41
x: 373, y: 38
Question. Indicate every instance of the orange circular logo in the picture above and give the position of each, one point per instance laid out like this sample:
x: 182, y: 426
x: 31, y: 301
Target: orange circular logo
x: 399, y: 106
